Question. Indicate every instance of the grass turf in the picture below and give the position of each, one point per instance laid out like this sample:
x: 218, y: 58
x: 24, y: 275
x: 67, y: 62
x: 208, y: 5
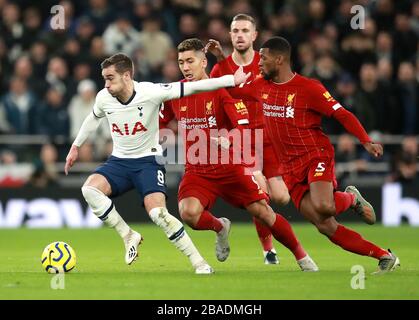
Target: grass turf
x: 161, y: 272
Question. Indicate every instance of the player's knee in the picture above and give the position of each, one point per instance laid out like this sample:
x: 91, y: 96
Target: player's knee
x: 261, y: 210
x: 89, y: 193
x: 325, y: 208
x: 280, y: 198
x: 189, y: 215
x: 96, y: 199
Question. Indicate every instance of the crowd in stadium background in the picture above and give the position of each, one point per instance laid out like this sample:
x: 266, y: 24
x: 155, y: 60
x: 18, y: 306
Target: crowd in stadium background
x: 49, y: 78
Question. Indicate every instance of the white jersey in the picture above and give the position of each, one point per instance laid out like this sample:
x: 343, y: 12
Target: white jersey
x: 134, y: 125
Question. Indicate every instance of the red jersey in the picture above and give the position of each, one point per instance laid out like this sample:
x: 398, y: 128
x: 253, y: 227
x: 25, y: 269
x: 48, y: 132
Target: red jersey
x: 228, y: 66
x: 292, y: 116
x: 199, y: 117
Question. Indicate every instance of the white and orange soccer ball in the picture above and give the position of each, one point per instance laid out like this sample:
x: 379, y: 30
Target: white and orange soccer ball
x: 58, y: 257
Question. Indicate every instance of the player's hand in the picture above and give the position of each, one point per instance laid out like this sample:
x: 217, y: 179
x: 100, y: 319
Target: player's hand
x: 214, y: 47
x: 221, y: 141
x: 72, y: 156
x: 374, y: 149
x: 240, y: 77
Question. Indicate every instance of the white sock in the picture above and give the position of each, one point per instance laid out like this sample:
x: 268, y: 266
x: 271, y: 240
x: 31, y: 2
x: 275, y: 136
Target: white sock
x: 177, y: 235
x: 104, y: 209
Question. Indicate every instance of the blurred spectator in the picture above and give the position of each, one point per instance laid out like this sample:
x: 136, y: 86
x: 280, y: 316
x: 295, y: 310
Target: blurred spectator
x: 11, y: 29
x: 53, y: 119
x: 407, y: 40
x: 188, y: 27
x: 404, y: 164
x: 59, y: 77
x: 408, y: 95
x: 80, y: 107
x: 374, y: 101
x: 45, y: 172
x: 100, y: 14
x: 39, y: 59
x: 327, y: 71
x: 19, y: 108
x: 384, y: 46
x: 121, y: 36
x: 32, y: 21
x: 155, y: 42
x: 306, y: 58
x: 85, y: 31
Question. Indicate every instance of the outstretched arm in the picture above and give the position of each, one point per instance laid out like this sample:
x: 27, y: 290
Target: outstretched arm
x: 353, y: 126
x: 180, y: 89
x: 89, y: 125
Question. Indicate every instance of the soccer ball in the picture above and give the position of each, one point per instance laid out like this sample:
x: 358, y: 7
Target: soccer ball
x: 58, y: 257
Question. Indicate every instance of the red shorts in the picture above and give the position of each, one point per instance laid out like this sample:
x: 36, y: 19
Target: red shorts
x: 266, y: 162
x: 298, y: 181
x: 232, y: 185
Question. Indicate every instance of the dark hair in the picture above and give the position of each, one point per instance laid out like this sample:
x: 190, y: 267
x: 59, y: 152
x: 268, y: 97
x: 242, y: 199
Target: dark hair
x: 244, y: 17
x: 278, y: 45
x: 122, y: 63
x: 191, y: 44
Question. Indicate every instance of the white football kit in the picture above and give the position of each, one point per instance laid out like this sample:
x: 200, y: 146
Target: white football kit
x: 134, y: 125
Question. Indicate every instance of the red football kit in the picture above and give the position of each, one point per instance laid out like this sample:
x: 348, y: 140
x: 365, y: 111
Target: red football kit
x: 292, y: 115
x: 267, y: 161
x: 199, y: 117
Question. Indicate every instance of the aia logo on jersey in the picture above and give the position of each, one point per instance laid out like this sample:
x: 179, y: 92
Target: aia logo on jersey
x: 127, y: 131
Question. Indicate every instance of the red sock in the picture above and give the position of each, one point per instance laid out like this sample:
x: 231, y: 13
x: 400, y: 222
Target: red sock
x: 343, y: 200
x: 352, y: 241
x: 264, y: 234
x: 282, y: 231
x: 208, y: 222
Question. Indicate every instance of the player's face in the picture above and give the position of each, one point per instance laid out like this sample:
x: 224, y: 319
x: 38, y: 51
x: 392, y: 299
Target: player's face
x: 113, y: 81
x: 243, y: 34
x: 192, y: 64
x: 268, y: 64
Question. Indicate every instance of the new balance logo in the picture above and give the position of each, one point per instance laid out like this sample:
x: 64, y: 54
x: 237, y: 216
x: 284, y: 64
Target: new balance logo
x: 212, y: 122
x: 289, y: 112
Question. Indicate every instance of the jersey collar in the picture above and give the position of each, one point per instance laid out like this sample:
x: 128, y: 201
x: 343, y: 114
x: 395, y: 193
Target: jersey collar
x: 129, y: 100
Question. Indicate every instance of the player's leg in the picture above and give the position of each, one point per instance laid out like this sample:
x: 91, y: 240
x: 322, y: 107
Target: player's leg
x: 319, y: 208
x: 196, y: 197
x: 155, y: 205
x: 282, y: 232
x: 264, y: 233
x: 96, y: 191
x: 254, y: 200
x: 278, y: 191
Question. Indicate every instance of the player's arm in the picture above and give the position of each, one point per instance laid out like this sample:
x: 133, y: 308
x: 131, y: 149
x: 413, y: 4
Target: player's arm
x: 237, y: 113
x: 177, y: 90
x: 90, y: 125
x: 324, y: 103
x: 214, y: 47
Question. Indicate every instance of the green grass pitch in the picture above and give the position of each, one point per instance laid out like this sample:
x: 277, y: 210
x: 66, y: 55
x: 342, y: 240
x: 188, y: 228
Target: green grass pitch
x: 161, y: 272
